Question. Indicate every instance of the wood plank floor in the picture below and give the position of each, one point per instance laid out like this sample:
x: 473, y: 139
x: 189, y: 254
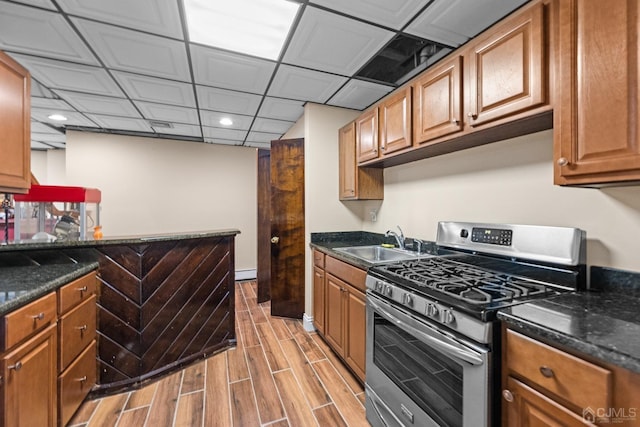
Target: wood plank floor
x: 278, y: 375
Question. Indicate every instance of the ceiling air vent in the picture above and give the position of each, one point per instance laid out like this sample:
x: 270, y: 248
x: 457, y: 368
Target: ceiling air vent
x: 160, y: 124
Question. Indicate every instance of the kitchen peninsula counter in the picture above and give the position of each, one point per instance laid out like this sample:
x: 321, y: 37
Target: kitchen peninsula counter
x: 163, y: 300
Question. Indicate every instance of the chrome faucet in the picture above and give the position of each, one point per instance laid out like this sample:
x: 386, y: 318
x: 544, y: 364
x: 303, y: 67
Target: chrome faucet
x: 399, y: 237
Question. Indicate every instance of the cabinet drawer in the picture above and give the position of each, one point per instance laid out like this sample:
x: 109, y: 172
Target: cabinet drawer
x: 77, y: 329
x: 25, y: 321
x: 318, y: 259
x: 76, y: 382
x: 568, y: 377
x: 76, y: 292
x: 350, y: 274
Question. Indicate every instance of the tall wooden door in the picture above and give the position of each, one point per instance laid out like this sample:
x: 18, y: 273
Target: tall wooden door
x: 263, y: 272
x: 287, y: 228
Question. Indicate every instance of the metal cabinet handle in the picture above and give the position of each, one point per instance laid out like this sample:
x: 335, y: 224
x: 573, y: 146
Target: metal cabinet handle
x: 39, y: 316
x: 275, y: 240
x: 472, y: 116
x: 562, y: 161
x: 81, y: 379
x: 508, y: 396
x: 82, y: 289
x: 546, y: 371
x: 16, y: 367
x: 455, y: 121
x: 81, y: 328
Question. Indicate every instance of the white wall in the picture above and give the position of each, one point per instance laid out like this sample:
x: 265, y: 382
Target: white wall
x: 153, y: 186
x: 49, y: 166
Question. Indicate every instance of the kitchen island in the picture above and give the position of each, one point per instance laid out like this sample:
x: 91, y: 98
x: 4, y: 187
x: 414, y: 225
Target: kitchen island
x: 164, y: 300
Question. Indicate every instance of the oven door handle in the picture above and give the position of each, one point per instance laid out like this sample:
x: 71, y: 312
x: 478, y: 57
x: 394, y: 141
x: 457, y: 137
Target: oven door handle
x: 443, y: 343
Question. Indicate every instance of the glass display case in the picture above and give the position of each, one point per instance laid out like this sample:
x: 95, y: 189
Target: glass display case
x: 51, y: 212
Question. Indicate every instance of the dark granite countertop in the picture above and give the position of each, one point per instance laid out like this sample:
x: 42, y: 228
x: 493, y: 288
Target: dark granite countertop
x: 21, y: 285
x: 327, y: 242
x: 118, y: 240
x: 603, y: 323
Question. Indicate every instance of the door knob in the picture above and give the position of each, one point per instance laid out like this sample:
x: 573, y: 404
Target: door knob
x: 275, y: 240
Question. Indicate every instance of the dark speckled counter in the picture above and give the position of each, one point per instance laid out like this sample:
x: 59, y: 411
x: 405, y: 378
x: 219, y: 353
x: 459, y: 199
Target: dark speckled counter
x: 21, y: 285
x: 604, y: 323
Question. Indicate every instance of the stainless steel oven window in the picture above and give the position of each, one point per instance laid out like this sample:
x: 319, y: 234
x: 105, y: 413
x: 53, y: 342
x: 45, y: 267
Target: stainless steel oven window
x: 445, y: 378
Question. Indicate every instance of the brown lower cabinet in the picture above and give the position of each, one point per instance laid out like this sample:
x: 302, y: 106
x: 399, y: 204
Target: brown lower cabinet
x: 544, y: 385
x: 340, y: 310
x: 48, y: 356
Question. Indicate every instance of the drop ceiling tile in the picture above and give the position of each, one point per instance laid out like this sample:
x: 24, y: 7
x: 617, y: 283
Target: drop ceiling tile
x: 73, y: 118
x: 57, y: 144
x: 271, y: 126
x: 226, y: 100
x: 37, y: 127
x: 212, y: 119
x: 40, y: 32
x: 128, y: 50
x: 35, y: 145
x: 453, y: 22
x: 283, y: 109
x: 40, y: 91
x: 304, y: 84
x: 121, y: 123
x: 168, y: 113
x: 329, y: 42
x: 154, y: 16
x: 393, y: 14
x: 262, y: 137
x: 359, y: 94
x: 49, y: 103
x: 180, y: 129
x: 97, y: 104
x: 229, y: 70
x: 48, y: 137
x: 46, y: 4
x: 262, y: 145
x: 67, y: 76
x: 222, y: 141
x: 152, y: 89
x: 228, y: 134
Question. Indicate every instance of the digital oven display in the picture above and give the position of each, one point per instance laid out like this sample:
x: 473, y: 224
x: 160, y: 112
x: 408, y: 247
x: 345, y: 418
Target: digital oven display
x: 492, y: 236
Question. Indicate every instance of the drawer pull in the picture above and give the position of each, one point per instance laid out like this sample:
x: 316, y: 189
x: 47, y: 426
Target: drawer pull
x: 81, y: 379
x: 81, y: 328
x: 508, y: 396
x: 82, y: 289
x: 16, y: 367
x: 546, y: 371
x: 39, y: 316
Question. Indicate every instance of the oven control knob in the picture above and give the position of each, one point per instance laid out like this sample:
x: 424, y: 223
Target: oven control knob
x: 388, y: 290
x: 408, y: 300
x: 378, y: 287
x: 447, y: 316
x: 432, y: 310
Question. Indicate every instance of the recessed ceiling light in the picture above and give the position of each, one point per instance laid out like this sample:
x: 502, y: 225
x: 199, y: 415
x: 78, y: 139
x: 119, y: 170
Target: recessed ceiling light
x: 226, y: 121
x: 254, y: 27
x: 57, y: 117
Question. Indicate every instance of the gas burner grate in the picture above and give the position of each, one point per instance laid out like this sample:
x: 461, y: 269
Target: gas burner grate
x: 471, y: 284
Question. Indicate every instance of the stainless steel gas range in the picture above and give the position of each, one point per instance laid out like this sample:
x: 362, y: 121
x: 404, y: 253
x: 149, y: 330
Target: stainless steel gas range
x: 433, y: 342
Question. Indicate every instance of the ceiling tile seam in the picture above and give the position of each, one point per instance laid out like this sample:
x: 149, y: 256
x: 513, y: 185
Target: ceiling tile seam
x: 353, y: 17
x: 183, y: 24
x: 176, y: 137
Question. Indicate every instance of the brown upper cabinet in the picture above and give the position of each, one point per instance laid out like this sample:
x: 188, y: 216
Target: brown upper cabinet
x: 15, y: 126
x: 367, y: 135
x: 356, y: 183
x: 438, y: 101
x: 395, y: 122
x: 507, y: 68
x: 596, y: 126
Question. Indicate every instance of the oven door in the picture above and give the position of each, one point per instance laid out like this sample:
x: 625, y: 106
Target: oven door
x: 419, y: 374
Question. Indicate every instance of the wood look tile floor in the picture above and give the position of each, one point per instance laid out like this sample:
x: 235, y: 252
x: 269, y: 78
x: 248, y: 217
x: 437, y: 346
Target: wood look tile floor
x: 278, y: 375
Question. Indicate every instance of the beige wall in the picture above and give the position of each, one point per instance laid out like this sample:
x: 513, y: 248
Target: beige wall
x: 154, y: 186
x: 49, y: 166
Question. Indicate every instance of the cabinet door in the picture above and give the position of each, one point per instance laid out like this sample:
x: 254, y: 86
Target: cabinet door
x: 507, y: 68
x: 318, y: 299
x: 395, y: 122
x: 347, y: 162
x: 367, y: 135
x: 334, y: 320
x: 355, y: 325
x: 530, y: 408
x: 15, y: 126
x: 438, y: 101
x: 596, y: 128
x: 29, y: 389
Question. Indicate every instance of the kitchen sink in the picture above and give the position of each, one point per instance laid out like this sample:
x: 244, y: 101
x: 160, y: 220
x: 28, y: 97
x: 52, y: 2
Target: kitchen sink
x: 378, y: 254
